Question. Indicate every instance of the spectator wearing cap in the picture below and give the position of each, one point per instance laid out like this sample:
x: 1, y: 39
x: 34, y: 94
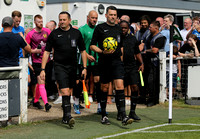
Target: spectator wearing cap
x: 10, y: 44
x: 16, y: 16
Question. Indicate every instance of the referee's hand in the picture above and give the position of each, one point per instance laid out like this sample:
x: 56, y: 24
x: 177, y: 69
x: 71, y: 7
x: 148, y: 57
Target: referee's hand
x: 108, y: 51
x: 84, y: 73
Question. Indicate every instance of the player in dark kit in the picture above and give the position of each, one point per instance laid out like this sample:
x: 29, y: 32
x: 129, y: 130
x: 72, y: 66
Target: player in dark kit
x: 130, y: 52
x: 110, y: 64
x: 65, y: 41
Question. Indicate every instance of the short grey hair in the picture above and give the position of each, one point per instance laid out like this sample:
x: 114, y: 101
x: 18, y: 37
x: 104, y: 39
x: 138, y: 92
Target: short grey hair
x: 171, y: 17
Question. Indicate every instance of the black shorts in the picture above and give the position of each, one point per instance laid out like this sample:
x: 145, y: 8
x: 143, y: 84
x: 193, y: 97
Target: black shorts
x: 111, y: 71
x: 37, y: 70
x: 131, y: 77
x: 65, y: 75
x: 94, y: 70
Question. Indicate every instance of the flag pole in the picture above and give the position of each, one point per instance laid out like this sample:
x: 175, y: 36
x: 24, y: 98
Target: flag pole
x: 170, y: 74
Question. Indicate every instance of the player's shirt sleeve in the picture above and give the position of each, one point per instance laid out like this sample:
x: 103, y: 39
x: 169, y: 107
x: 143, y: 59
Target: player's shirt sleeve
x: 136, y: 48
x: 50, y: 42
x: 95, y: 36
x: 82, y: 32
x: 21, y: 41
x: 28, y: 38
x: 81, y: 44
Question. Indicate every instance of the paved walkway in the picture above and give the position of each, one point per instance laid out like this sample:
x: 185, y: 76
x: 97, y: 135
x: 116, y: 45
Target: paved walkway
x: 56, y: 111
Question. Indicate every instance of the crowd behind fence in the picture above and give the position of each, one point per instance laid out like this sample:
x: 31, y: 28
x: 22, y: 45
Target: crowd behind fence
x: 182, y: 88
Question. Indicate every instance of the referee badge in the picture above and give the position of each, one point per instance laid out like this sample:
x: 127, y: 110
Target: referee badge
x: 73, y: 43
x: 118, y: 38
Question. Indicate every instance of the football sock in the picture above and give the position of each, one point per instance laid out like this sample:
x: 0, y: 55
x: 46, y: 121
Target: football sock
x: 66, y: 107
x: 37, y: 94
x: 103, y: 103
x: 121, y: 101
x: 98, y: 91
x: 43, y: 93
x: 134, y: 97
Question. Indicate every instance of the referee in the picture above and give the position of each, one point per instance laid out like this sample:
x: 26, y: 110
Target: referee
x: 65, y: 41
x: 110, y: 64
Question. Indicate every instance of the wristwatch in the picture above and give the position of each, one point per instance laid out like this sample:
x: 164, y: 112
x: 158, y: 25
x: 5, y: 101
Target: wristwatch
x: 42, y: 69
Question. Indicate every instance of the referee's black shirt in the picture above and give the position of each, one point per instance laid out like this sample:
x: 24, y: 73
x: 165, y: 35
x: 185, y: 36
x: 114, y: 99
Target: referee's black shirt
x: 65, y: 45
x: 130, y: 45
x: 103, y: 31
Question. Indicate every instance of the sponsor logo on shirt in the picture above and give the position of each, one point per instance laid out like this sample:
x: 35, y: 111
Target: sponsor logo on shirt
x: 106, y: 30
x: 59, y: 36
x: 45, y: 35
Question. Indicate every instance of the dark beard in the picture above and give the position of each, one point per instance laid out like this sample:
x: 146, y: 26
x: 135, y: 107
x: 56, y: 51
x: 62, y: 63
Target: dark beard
x: 142, y: 30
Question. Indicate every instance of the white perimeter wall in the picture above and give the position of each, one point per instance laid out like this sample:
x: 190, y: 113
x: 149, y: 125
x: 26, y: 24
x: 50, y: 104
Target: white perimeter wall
x: 25, y: 7
x: 79, y: 13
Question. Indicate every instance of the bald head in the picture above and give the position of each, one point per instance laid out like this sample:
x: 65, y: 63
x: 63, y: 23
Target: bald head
x: 126, y: 18
x: 51, y: 25
x: 92, y: 18
x: 187, y: 23
x: 161, y: 20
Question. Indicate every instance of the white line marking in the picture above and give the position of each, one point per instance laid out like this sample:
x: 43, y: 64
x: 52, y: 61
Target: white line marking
x: 170, y: 131
x: 147, y: 128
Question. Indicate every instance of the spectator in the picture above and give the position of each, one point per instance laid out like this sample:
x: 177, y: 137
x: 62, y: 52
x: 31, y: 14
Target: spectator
x: 186, y: 30
x: 188, y: 50
x: 16, y: 16
x: 176, y: 70
x: 10, y: 43
x: 144, y: 28
x: 197, y: 31
x: 168, y: 21
x: 195, y: 24
x: 154, y: 42
x: 161, y: 21
x: 191, y: 47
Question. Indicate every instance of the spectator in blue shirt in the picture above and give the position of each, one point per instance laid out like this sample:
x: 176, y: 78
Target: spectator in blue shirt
x: 16, y: 16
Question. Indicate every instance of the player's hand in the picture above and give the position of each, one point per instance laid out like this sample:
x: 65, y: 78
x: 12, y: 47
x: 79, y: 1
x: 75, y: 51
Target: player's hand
x: 84, y: 73
x: 91, y: 58
x: 108, y: 51
x: 141, y: 68
x: 42, y: 75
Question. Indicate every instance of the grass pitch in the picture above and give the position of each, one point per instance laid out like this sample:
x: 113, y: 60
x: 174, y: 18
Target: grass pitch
x: 90, y: 126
